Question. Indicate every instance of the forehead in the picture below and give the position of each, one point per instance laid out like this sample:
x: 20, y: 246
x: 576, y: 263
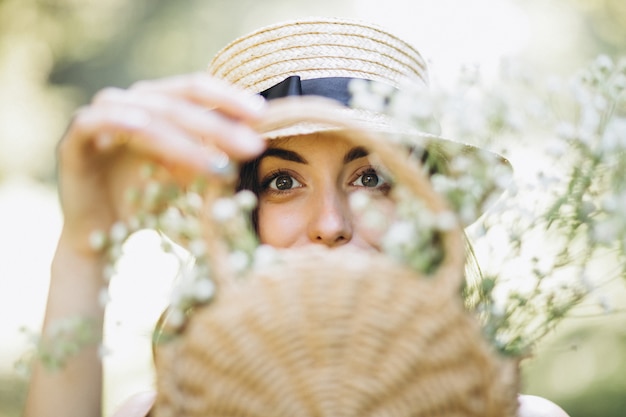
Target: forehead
x: 315, y: 141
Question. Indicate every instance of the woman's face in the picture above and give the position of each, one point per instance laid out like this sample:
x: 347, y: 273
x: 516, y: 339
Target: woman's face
x: 305, y: 184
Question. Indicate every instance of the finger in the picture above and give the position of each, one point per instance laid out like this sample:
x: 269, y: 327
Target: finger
x: 210, y: 92
x: 211, y: 127
x: 160, y: 142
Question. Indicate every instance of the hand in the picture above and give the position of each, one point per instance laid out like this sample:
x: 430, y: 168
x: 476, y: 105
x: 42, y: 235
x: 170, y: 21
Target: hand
x: 184, y: 124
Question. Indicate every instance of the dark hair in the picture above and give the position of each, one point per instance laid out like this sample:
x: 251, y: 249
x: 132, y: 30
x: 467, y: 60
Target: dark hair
x: 249, y: 180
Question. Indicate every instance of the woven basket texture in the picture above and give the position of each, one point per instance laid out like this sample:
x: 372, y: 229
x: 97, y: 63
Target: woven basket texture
x: 333, y: 333
x: 338, y: 332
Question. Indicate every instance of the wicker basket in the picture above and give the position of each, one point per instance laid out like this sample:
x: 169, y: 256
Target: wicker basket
x: 336, y: 332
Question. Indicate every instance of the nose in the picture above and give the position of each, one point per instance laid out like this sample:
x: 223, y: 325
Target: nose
x: 331, y: 222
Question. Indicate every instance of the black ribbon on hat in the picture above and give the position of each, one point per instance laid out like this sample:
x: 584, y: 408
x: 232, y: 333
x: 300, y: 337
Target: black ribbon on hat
x: 335, y: 88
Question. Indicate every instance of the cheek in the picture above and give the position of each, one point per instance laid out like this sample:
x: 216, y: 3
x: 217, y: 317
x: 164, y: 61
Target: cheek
x: 279, y: 226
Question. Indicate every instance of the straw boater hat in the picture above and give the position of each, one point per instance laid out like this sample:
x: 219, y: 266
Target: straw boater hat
x: 320, y: 57
x: 326, y: 332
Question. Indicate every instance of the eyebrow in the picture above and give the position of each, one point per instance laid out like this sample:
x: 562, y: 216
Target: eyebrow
x: 351, y: 155
x: 284, y: 154
x: 355, y: 153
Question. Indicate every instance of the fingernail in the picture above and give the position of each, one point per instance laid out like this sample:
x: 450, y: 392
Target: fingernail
x: 248, y: 140
x: 220, y: 165
x: 256, y: 104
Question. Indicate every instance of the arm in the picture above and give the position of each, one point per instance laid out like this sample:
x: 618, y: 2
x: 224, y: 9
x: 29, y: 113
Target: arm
x: 164, y: 122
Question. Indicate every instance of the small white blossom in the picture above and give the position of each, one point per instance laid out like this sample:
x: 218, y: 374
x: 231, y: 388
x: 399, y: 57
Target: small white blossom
x: 118, y: 232
x: 604, y: 64
x: 103, y: 351
x: 175, y: 317
x: 194, y: 200
x: 358, y: 86
x: 172, y: 219
x: 368, y: 101
x: 401, y: 233
x: 614, y: 136
x: 359, y: 201
x: 108, y: 272
x: 246, y: 200
x: 605, y: 231
x: 152, y: 192
x: 446, y: 221
x: 224, y: 209
x: 618, y: 85
x: 374, y: 220
x: 264, y: 255
x: 604, y: 303
x: 197, y: 247
x: 97, y: 240
x: 204, y: 290
x: 382, y: 89
x: 238, y: 260
x: 104, y: 297
x: 558, y: 148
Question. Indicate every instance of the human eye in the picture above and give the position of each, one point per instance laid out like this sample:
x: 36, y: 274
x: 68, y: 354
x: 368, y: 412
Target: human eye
x: 370, y: 178
x: 280, y: 181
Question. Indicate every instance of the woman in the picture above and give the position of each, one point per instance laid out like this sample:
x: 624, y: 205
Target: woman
x: 303, y: 184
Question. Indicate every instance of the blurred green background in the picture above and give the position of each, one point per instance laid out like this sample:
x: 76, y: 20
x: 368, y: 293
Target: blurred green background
x: 55, y: 54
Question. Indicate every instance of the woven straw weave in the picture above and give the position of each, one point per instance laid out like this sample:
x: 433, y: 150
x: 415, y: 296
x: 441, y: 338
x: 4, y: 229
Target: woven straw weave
x: 336, y: 332
x: 316, y: 48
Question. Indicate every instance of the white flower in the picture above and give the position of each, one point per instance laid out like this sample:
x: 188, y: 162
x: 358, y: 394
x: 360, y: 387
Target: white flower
x: 97, y: 240
x: 175, y: 317
x: 558, y: 148
x: 381, y: 89
x: 194, y: 200
x: 172, y: 219
x: 118, y: 232
x: 605, y: 231
x: 358, y: 86
x: 238, y: 260
x: 586, y: 282
x: 618, y: 85
x: 359, y: 201
x: 603, y: 63
x: 204, y: 289
x: 197, y: 247
x: 224, y: 209
x: 152, y: 192
x: 103, y: 351
x: 604, y: 303
x: 368, y: 101
x: 374, y: 220
x: 446, y: 221
x: 264, y: 255
x: 460, y: 164
x: 134, y: 223
x: 467, y: 213
x: 614, y: 136
x: 104, y: 297
x: 401, y: 233
x: 246, y: 200
x: 108, y: 272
